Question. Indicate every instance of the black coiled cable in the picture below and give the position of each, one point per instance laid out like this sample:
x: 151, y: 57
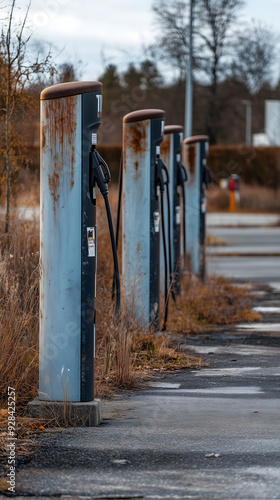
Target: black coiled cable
x: 166, y: 294
x: 97, y: 176
x: 181, y: 179
x: 116, y: 278
x: 118, y: 219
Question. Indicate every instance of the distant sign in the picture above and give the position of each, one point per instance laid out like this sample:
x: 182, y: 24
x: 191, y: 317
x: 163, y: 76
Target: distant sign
x: 261, y: 140
x: 272, y: 121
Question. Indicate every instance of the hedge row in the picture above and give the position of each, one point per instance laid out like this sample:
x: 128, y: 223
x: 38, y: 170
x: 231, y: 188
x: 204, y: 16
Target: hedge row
x: 259, y: 166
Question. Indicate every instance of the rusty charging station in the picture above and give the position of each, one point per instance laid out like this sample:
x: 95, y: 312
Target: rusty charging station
x: 174, y: 203
x: 194, y: 153
x: 143, y: 188
x: 71, y: 169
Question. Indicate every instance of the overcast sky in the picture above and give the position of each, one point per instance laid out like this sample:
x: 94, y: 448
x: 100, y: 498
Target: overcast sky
x: 100, y: 32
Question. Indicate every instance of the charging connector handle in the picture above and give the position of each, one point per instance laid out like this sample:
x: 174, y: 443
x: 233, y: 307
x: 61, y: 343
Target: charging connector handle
x: 159, y: 177
x: 98, y: 176
x: 182, y: 176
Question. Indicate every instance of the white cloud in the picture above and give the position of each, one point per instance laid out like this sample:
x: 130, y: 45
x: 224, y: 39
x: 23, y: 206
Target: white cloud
x: 84, y: 28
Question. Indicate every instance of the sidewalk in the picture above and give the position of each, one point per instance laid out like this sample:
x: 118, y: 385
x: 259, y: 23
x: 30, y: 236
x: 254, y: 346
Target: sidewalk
x: 207, y: 434
x: 241, y: 219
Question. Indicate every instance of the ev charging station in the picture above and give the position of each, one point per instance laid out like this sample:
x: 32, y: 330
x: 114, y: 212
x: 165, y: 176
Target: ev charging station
x: 171, y: 156
x: 194, y: 153
x: 70, y: 170
x: 143, y: 189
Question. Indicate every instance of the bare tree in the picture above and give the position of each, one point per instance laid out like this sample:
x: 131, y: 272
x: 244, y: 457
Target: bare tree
x: 214, y: 28
x: 255, y: 55
x: 172, y: 41
x: 18, y: 70
x: 214, y: 21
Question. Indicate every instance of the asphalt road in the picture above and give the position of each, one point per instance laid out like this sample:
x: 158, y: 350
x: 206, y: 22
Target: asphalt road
x: 244, y: 253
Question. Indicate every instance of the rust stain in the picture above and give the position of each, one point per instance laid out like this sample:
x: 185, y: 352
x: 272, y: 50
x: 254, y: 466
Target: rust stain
x: 138, y: 246
x: 72, y: 166
x: 62, y: 125
x: 191, y: 155
x: 43, y: 137
x: 136, y: 165
x: 54, y: 181
x: 137, y: 137
x: 165, y: 146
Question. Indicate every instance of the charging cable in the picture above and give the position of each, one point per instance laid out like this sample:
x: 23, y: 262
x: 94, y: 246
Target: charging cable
x: 100, y: 176
x: 182, y: 177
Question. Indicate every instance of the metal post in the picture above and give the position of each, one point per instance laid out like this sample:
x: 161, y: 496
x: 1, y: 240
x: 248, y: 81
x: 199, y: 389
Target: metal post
x: 70, y: 117
x: 142, y: 135
x: 189, y: 96
x: 248, y: 105
x: 194, y: 159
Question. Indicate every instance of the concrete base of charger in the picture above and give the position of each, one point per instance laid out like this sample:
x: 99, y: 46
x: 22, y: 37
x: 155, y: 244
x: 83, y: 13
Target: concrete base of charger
x: 75, y: 414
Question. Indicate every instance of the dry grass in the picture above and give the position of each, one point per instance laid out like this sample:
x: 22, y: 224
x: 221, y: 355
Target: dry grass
x: 156, y: 353
x: 27, y: 429
x: 252, y: 199
x: 204, y: 305
x: 19, y: 310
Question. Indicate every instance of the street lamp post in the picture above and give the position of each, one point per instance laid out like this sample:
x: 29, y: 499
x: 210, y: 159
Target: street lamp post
x: 248, y: 105
x: 188, y: 99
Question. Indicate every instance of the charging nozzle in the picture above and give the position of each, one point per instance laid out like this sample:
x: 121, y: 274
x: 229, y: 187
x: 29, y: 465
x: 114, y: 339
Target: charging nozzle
x: 159, y: 177
x: 98, y: 175
x: 182, y: 175
x: 206, y: 175
x: 165, y: 169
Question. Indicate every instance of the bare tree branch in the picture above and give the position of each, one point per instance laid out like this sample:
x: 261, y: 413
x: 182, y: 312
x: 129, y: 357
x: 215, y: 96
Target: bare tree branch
x: 17, y: 70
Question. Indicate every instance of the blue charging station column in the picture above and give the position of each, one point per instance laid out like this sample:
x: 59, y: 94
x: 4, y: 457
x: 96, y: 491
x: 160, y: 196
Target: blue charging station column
x: 170, y: 152
x: 194, y: 153
x: 142, y: 135
x: 70, y: 117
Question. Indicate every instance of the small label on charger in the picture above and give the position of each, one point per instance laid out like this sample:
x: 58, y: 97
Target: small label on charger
x: 91, y: 241
x: 203, y: 205
x: 99, y: 105
x: 177, y: 215
x: 156, y: 222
